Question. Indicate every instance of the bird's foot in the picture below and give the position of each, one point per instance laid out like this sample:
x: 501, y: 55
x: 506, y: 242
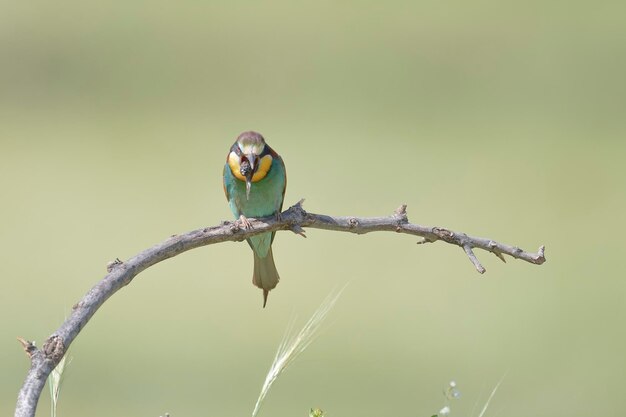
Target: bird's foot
x: 279, y: 216
x: 245, y: 222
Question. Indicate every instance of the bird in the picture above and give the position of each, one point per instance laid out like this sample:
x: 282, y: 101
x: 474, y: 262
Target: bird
x: 255, y: 181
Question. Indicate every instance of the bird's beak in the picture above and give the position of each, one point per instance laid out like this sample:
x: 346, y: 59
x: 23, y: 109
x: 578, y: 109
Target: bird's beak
x: 251, y: 158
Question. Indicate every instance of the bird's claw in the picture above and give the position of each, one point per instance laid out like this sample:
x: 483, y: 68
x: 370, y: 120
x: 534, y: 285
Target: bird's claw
x: 245, y: 222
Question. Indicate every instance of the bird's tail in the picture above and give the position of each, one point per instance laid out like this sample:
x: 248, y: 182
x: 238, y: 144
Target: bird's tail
x: 265, y: 274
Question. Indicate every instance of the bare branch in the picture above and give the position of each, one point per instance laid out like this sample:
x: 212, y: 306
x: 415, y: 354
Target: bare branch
x: 470, y: 254
x: 295, y: 219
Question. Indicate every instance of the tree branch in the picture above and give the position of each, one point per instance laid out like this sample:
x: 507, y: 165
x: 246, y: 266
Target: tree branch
x: 295, y: 219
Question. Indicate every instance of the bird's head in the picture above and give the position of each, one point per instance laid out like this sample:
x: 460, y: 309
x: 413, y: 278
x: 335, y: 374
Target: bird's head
x: 249, y: 159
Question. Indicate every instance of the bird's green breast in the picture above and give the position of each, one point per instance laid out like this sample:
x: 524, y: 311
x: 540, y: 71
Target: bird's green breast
x: 266, y: 195
x: 266, y: 199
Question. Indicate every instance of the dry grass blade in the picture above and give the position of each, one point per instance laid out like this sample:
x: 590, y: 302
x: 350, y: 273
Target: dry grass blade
x: 493, y: 392
x: 54, y: 382
x: 294, y: 344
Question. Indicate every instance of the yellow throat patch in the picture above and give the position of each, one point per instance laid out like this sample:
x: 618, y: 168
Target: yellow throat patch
x: 264, y: 166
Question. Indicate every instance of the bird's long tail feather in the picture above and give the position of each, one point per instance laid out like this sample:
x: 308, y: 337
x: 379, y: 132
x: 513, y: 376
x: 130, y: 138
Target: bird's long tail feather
x: 265, y: 275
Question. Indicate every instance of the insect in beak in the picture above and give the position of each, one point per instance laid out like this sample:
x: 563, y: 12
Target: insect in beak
x: 247, y: 170
x: 248, y: 184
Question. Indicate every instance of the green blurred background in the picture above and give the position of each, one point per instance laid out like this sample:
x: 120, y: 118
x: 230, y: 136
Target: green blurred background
x: 499, y: 119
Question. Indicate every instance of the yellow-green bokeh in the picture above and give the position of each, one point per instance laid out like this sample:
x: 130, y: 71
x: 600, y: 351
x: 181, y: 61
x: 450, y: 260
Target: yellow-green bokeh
x: 499, y: 119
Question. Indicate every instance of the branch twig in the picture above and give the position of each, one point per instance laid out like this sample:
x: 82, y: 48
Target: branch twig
x: 295, y: 219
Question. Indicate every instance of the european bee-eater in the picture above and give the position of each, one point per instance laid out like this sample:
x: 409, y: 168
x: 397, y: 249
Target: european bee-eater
x: 254, y: 183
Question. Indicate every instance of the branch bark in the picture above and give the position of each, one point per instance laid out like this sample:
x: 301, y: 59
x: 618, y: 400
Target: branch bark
x: 295, y: 219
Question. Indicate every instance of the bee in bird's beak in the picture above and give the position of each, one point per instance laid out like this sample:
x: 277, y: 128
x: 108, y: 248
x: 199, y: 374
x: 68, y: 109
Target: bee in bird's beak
x: 248, y: 167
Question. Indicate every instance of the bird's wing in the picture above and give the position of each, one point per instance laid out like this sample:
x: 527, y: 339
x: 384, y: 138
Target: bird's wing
x: 224, y: 182
x: 285, y: 185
